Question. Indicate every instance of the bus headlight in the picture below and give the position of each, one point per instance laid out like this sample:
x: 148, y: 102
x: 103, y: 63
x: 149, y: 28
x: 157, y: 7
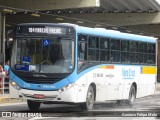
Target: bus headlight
x: 65, y: 88
x: 14, y: 84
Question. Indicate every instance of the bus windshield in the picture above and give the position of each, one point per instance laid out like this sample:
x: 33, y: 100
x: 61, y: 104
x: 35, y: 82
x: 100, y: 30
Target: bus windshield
x: 43, y: 55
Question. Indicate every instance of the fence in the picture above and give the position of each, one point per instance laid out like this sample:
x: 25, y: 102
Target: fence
x: 4, y: 85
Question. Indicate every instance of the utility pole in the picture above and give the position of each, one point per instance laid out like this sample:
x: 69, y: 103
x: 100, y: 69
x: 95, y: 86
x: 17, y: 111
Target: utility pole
x: 2, y: 38
x: 1, y: 42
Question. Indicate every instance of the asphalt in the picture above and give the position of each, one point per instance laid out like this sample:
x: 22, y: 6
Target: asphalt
x: 6, y: 98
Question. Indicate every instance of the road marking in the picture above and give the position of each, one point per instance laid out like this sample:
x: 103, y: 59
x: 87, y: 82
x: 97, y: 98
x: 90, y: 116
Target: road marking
x: 42, y: 118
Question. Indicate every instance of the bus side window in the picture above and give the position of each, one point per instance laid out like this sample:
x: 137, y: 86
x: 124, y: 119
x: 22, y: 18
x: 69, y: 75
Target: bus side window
x: 151, y: 59
x: 125, y: 51
x: 151, y: 48
x: 133, y: 46
x: 115, y: 44
x: 134, y: 55
x: 93, y: 42
x: 104, y: 49
x: 142, y: 49
x: 115, y: 56
x: 151, y: 53
x: 93, y: 49
x: 115, y: 50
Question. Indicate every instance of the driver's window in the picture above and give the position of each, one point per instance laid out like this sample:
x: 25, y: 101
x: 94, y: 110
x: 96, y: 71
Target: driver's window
x: 82, y: 51
x: 82, y: 47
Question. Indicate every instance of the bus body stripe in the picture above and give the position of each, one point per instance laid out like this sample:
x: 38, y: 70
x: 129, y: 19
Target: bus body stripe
x: 107, y: 67
x: 149, y: 70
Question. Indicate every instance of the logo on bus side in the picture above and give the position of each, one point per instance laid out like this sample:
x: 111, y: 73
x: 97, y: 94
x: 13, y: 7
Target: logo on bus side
x: 95, y: 75
x: 128, y: 73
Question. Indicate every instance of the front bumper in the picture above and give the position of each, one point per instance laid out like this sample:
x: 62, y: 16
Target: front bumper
x: 49, y: 96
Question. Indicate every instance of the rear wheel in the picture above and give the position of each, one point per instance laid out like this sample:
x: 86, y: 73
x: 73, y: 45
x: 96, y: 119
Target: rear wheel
x: 32, y: 105
x: 131, y: 99
x: 88, y: 105
x: 132, y: 95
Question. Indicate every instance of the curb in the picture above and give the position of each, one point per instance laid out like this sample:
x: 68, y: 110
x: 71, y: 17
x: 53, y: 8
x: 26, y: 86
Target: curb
x: 7, y: 99
x: 4, y: 98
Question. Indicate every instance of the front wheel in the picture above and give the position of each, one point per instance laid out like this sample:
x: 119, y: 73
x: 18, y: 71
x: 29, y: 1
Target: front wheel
x: 88, y: 105
x: 32, y: 105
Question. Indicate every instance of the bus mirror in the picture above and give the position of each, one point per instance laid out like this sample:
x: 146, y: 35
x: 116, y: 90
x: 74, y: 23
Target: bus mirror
x: 83, y: 47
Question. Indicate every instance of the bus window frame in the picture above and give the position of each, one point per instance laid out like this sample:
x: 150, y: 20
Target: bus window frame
x: 129, y: 52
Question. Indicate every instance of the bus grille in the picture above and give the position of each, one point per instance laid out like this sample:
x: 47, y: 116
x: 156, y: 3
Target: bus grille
x: 41, y: 80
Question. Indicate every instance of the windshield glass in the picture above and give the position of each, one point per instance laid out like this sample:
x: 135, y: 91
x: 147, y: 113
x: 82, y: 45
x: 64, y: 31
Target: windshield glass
x: 44, y: 55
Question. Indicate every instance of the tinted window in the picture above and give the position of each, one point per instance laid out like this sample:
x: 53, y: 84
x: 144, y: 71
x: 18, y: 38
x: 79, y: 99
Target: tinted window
x: 125, y: 45
x: 93, y: 42
x: 133, y: 46
x: 104, y: 43
x: 115, y: 44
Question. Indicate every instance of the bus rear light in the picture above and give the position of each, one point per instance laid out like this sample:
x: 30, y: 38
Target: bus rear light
x: 39, y: 96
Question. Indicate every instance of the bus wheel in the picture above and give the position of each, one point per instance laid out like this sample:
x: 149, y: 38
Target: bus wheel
x: 132, y: 96
x: 88, y: 105
x: 32, y: 105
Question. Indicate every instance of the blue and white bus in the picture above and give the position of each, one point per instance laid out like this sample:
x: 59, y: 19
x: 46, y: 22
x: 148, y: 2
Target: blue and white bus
x: 67, y: 63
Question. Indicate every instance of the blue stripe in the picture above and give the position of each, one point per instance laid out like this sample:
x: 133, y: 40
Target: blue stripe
x: 32, y: 86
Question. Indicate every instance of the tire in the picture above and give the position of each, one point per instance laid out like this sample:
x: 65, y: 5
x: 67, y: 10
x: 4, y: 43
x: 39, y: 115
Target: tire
x: 88, y: 105
x: 33, y: 106
x: 132, y: 96
x: 131, y: 99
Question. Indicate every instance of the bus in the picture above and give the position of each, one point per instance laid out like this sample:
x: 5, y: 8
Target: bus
x: 67, y: 63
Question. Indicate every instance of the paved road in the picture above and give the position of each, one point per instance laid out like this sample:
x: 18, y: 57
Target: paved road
x: 146, y: 107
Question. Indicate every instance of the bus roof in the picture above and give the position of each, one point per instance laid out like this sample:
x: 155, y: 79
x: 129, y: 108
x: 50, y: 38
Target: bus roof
x: 115, y: 34
x: 112, y: 33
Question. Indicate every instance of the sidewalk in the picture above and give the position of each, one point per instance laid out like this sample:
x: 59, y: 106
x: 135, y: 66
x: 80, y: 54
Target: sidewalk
x: 6, y: 99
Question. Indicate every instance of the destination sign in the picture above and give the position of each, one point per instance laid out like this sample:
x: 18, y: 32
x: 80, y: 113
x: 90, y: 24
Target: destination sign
x: 47, y: 30
x: 41, y: 30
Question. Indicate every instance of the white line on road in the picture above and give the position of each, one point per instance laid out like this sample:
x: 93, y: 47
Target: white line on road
x: 42, y: 118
